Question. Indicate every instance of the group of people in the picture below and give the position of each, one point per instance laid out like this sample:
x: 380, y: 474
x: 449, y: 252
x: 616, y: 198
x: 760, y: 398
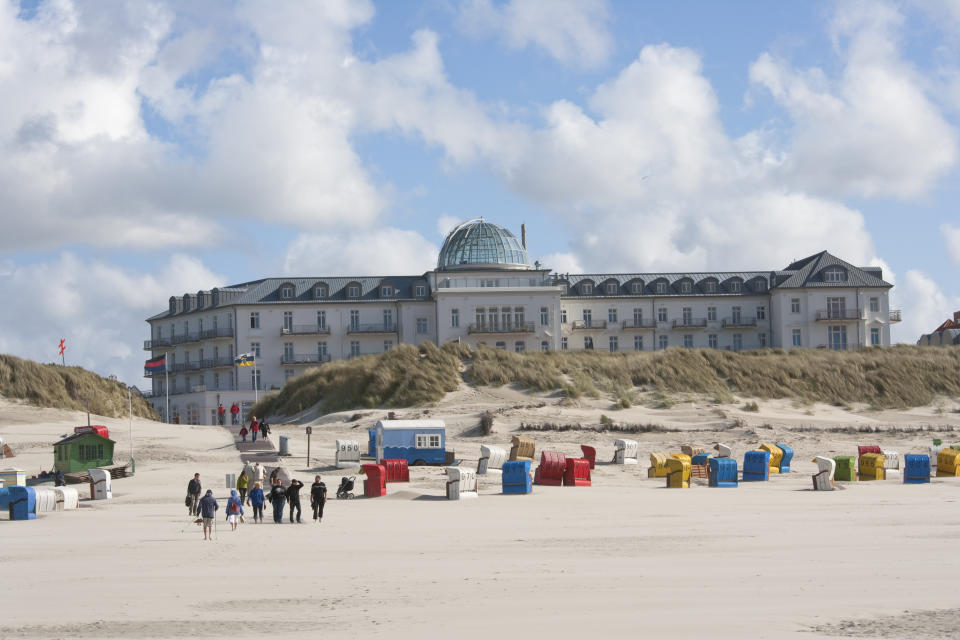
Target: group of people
x: 234, y: 414
x: 279, y: 496
x: 261, y: 428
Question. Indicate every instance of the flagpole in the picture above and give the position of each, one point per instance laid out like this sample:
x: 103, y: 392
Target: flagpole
x: 256, y: 383
x: 166, y: 384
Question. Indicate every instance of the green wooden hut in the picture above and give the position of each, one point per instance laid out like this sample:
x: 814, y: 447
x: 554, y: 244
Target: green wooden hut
x: 82, y: 451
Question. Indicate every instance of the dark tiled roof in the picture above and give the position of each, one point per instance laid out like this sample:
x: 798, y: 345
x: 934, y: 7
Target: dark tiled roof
x: 809, y: 273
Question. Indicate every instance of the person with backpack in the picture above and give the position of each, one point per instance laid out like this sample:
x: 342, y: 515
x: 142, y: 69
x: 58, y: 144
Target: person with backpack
x: 278, y: 498
x: 318, y: 498
x: 243, y: 434
x: 254, y: 428
x: 193, y: 494
x: 256, y: 500
x: 208, y: 511
x: 293, y: 497
x: 234, y: 509
x: 242, y: 483
x: 235, y: 414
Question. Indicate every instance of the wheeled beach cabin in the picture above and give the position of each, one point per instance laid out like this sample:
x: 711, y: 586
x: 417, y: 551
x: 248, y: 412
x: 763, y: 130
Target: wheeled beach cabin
x: 416, y: 441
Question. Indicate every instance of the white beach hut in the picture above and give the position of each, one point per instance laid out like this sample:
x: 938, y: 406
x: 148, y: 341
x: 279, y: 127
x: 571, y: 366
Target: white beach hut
x: 101, y: 487
x: 823, y: 479
x: 461, y: 483
x: 491, y: 459
x: 348, y: 453
x: 46, y: 499
x: 625, y: 451
x: 723, y: 451
x: 67, y: 498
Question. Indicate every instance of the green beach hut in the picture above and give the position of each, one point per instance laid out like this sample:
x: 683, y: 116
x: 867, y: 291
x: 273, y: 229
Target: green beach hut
x: 82, y: 451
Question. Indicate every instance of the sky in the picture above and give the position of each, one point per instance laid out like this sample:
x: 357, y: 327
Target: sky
x: 150, y: 149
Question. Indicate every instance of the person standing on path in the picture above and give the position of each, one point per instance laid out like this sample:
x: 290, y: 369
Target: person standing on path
x: 293, y: 496
x: 242, y: 483
x: 278, y: 498
x: 243, y: 434
x: 254, y: 428
x: 220, y: 413
x: 318, y: 498
x: 259, y: 473
x: 235, y: 414
x: 234, y: 509
x: 256, y: 501
x: 208, y: 511
x: 264, y: 429
x: 193, y: 493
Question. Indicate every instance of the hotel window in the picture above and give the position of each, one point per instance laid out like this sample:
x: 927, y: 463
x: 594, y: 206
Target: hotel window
x: 321, y: 320
x: 588, y: 343
x: 186, y: 326
x: 320, y: 292
x: 544, y: 346
x: 353, y: 291
x: 563, y: 316
x: 493, y: 312
x: 661, y: 288
x: 354, y: 348
x: 519, y: 346
x: 737, y: 342
x: 687, y: 316
x: 614, y: 345
x: 688, y: 341
x: 686, y: 287
x: 760, y: 285
x: 875, y: 337
x: 612, y: 288
x: 287, y: 374
x: 834, y: 274
x: 255, y: 381
x: 664, y: 342
x: 200, y: 326
x: 712, y: 314
x: 386, y: 292
x: 287, y: 351
x: 587, y: 317
x: 712, y: 340
x: 286, y: 293
x: 354, y: 319
x: 638, y: 343
x: 563, y: 343
x: 611, y: 315
x: 254, y: 319
x: 710, y: 287
x: 735, y: 315
x: 638, y: 317
x: 763, y: 340
x: 761, y: 313
x: 387, y: 345
x: 230, y: 322
x: 505, y: 317
x: 836, y: 308
x: 838, y: 337
x: 586, y: 288
x: 481, y: 318
x: 501, y: 345
x: 287, y: 321
x: 797, y: 338
x: 216, y: 381
x: 322, y: 351
x: 518, y: 317
x: 455, y: 318
x: 254, y: 349
x: 388, y: 319
x: 544, y: 316
x: 662, y: 314
x: 874, y: 305
x: 636, y: 288
x: 735, y: 286
x: 420, y: 291
x: 421, y: 326
x: 794, y: 305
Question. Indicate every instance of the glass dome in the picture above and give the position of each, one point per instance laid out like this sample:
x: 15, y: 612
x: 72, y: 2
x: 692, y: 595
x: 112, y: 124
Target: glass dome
x: 476, y: 244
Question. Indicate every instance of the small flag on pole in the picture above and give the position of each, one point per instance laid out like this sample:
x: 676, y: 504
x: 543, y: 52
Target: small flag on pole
x: 244, y: 360
x: 155, y: 365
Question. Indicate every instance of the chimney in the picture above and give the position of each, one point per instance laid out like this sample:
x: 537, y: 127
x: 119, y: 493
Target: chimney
x: 523, y: 236
x: 956, y: 316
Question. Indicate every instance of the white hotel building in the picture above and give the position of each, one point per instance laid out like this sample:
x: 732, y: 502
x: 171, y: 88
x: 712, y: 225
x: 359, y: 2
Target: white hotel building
x: 484, y: 291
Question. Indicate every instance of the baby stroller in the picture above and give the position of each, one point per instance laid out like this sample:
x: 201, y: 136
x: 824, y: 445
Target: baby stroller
x: 346, y: 486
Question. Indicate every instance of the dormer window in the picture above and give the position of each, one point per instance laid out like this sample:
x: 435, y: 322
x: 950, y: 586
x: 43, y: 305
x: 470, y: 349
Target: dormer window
x: 586, y: 288
x: 420, y: 291
x: 320, y: 291
x: 760, y: 284
x: 286, y: 292
x: 353, y: 291
x: 636, y: 288
x: 710, y: 286
x: 686, y: 286
x: 386, y: 291
x: 173, y: 305
x: 835, y: 274
x: 661, y: 287
x: 612, y: 288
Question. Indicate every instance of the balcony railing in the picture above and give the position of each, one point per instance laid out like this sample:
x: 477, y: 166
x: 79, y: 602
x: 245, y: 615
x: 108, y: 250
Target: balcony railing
x: 372, y: 328
x: 304, y: 330
x: 845, y: 315
x: 304, y: 358
x: 525, y: 327
x: 690, y: 323
x: 894, y: 315
x: 639, y: 324
x: 184, y: 338
x: 738, y: 323
x: 194, y: 365
x: 589, y: 324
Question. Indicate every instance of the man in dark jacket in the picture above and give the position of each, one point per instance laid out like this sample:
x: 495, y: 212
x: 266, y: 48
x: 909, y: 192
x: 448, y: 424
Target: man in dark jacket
x: 264, y: 429
x: 278, y: 498
x: 208, y: 511
x: 193, y: 493
x: 293, y: 496
x: 318, y: 498
x: 59, y: 480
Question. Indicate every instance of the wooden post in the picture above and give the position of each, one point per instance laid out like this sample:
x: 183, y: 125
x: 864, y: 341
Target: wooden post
x: 309, y: 432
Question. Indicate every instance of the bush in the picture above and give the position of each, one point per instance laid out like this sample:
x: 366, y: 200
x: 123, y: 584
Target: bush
x: 751, y: 406
x: 605, y: 420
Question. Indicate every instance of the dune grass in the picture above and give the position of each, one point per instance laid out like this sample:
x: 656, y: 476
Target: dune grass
x: 896, y: 377
x: 50, y: 385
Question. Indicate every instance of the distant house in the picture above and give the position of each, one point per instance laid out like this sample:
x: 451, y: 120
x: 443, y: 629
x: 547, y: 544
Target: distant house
x: 947, y: 334
x: 82, y: 451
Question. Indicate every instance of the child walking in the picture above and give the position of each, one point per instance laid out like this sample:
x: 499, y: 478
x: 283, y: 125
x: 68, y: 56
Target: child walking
x: 243, y: 433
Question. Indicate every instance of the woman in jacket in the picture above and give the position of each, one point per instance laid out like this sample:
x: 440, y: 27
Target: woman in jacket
x: 242, y: 483
x: 234, y: 509
x: 256, y: 501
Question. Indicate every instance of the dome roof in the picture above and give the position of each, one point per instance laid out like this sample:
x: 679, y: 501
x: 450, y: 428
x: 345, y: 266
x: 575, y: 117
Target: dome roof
x: 476, y: 244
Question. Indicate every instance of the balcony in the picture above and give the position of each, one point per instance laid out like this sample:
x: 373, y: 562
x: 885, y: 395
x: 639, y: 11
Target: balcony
x: 304, y: 330
x: 844, y: 315
x: 304, y: 358
x: 195, y: 365
x: 525, y: 327
x: 372, y: 328
x: 639, y: 324
x: 690, y: 323
x: 739, y: 323
x: 184, y: 338
x: 894, y: 316
x: 582, y: 325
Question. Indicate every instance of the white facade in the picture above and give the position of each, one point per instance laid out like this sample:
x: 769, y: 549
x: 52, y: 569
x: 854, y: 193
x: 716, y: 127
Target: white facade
x: 293, y: 324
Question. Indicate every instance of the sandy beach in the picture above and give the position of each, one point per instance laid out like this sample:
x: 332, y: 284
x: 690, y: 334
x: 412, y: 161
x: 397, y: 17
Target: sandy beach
x: 766, y: 560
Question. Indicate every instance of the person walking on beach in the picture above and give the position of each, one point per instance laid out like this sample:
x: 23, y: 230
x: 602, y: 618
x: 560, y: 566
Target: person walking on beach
x: 234, y: 509
x: 264, y: 429
x: 259, y: 473
x: 220, y: 413
x: 256, y: 501
x: 235, y: 414
x: 193, y: 494
x: 208, y: 511
x: 242, y: 483
x: 243, y: 434
x: 293, y: 497
x: 278, y: 498
x: 254, y: 428
x: 318, y: 498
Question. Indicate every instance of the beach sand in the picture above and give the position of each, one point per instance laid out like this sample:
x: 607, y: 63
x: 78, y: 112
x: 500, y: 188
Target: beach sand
x: 765, y: 560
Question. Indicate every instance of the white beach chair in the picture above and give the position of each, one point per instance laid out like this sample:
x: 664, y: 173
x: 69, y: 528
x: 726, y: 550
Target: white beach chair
x: 723, y: 451
x: 625, y: 451
x: 491, y: 459
x: 823, y: 479
x: 461, y: 483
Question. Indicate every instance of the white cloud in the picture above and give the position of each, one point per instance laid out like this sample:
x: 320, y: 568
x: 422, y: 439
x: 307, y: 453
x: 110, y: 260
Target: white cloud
x: 375, y: 252
x: 924, y: 305
x: 572, y: 31
x: 446, y: 223
x: 98, y: 307
x: 561, y: 262
x: 951, y: 235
